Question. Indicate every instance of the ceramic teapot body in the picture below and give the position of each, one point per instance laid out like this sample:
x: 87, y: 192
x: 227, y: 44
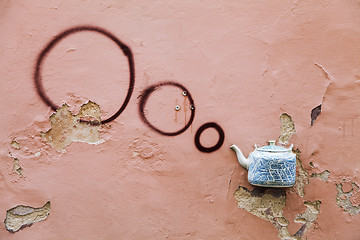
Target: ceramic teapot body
x: 269, y: 166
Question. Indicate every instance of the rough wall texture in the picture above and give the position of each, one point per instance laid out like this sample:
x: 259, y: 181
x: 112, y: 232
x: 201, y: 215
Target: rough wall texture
x: 171, y: 85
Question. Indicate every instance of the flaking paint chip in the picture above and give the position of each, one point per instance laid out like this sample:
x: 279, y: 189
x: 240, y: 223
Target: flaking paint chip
x: 343, y: 198
x: 14, y: 144
x: 67, y: 128
x: 268, y: 204
x: 22, y: 216
x: 322, y: 176
x: 17, y: 167
x: 287, y: 128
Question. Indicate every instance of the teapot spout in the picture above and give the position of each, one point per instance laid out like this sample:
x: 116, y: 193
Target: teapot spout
x: 240, y: 156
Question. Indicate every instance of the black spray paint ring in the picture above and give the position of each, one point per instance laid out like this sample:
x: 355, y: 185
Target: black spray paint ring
x: 217, y: 145
x: 125, y: 49
x: 144, y: 97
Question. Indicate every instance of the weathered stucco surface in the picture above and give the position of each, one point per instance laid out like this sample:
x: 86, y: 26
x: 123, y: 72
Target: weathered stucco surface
x: 261, y: 70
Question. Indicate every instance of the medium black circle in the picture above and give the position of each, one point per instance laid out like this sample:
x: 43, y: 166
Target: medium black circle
x: 125, y: 49
x: 144, y: 97
x: 218, y: 145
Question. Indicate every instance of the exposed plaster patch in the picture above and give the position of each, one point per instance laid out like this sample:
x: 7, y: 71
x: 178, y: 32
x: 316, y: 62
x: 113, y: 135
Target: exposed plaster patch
x: 265, y: 203
x: 14, y: 144
x: 345, y: 199
x: 67, y: 128
x: 32, y: 145
x: 287, y: 128
x: 315, y: 113
x: 307, y: 218
x: 268, y: 204
x: 322, y: 176
x: 302, y: 178
x: 22, y: 216
x: 17, y: 167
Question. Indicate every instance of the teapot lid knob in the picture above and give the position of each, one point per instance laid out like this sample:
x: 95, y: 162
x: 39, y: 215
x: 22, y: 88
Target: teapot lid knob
x: 272, y: 142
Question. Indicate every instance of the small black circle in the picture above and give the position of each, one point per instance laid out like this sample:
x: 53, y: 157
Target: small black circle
x: 144, y: 97
x: 125, y: 49
x: 218, y: 145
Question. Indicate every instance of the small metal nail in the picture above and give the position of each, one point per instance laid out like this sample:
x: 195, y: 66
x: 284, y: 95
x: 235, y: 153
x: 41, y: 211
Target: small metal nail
x: 177, y: 107
x: 185, y: 93
x: 192, y: 107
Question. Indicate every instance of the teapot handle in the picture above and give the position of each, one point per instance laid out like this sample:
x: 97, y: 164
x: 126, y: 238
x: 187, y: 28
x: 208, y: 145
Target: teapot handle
x: 290, y: 148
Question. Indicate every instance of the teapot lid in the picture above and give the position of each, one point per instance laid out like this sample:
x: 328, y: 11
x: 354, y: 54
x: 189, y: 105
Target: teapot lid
x: 273, y: 148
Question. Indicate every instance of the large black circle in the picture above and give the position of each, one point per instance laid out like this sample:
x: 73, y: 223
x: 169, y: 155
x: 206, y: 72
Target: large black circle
x: 144, y: 97
x: 218, y: 145
x: 125, y: 49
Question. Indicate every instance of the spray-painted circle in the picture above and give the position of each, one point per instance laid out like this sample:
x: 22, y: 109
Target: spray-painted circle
x: 125, y: 49
x: 217, y: 145
x: 145, y: 96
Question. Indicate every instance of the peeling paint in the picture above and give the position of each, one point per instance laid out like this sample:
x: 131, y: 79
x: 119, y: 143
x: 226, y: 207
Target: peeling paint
x: 315, y: 113
x: 302, y: 178
x: 312, y: 164
x: 326, y: 73
x: 245, y: 71
x: 265, y: 203
x: 322, y: 176
x: 345, y: 198
x: 14, y: 144
x: 67, y: 128
x: 268, y: 204
x: 22, y: 216
x: 287, y: 128
x: 17, y: 167
x: 307, y: 218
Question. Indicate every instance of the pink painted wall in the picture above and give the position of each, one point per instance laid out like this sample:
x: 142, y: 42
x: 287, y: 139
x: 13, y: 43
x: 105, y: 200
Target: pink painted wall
x: 244, y: 62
